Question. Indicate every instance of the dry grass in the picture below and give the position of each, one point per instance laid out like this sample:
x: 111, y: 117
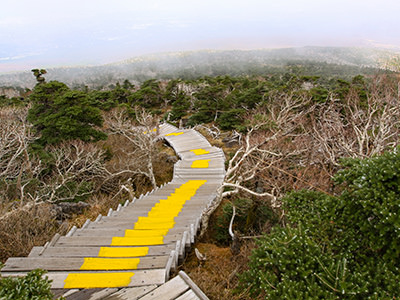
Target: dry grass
x: 20, y: 232
x: 98, y: 204
x: 217, y: 277
x: 163, y: 169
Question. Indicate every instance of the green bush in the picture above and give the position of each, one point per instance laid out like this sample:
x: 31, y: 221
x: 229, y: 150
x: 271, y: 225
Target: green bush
x: 60, y: 114
x: 230, y: 119
x: 30, y: 287
x: 290, y: 264
x: 251, y: 217
x: 203, y: 116
x: 371, y: 200
x: 336, y: 247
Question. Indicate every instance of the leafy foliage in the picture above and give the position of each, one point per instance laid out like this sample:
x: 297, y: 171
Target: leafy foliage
x: 371, y: 199
x: 289, y: 264
x: 251, y: 218
x: 336, y: 247
x: 30, y: 287
x: 231, y: 119
x: 61, y: 114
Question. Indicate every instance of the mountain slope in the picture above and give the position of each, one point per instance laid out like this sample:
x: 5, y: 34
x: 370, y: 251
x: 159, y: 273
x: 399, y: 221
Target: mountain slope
x: 329, y: 61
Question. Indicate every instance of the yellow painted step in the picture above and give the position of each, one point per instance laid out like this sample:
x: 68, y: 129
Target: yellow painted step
x: 99, y: 263
x: 137, y: 241
x: 200, y: 151
x: 174, y: 134
x: 145, y: 233
x: 123, y: 251
x: 97, y: 280
x: 200, y: 164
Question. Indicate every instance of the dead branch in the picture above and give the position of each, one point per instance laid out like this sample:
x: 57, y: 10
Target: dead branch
x: 355, y: 128
x: 137, y: 154
x: 258, y: 153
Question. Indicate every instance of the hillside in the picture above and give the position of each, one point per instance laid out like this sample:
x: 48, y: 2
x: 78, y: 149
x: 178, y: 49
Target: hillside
x: 316, y: 61
x: 310, y: 167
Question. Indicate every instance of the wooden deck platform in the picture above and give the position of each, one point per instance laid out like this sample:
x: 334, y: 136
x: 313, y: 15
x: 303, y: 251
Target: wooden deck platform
x: 131, y: 252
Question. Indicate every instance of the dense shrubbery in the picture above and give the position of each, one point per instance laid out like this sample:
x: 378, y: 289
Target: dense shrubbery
x: 251, y: 219
x: 343, y: 247
x: 30, y: 287
x: 60, y: 114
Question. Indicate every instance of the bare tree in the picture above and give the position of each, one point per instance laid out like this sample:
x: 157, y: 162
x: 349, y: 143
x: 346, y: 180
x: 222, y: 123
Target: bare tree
x: 15, y: 162
x: 258, y: 152
x: 15, y: 137
x: 138, y: 150
x: 357, y: 128
x: 72, y: 175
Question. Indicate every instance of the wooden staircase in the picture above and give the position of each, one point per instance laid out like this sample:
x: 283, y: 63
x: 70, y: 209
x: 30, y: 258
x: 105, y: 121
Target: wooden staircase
x: 137, y: 246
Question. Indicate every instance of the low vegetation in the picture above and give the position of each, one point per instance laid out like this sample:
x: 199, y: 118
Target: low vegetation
x: 343, y: 246
x: 30, y: 287
x: 311, y: 174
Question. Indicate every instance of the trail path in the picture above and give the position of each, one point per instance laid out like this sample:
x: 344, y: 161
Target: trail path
x: 131, y: 252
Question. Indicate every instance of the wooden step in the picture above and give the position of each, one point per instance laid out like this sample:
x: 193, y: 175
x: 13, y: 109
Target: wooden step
x: 86, y: 251
x: 20, y: 264
x: 102, y: 279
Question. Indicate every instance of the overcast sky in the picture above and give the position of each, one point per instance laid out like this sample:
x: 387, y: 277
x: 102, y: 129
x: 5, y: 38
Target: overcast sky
x: 47, y: 33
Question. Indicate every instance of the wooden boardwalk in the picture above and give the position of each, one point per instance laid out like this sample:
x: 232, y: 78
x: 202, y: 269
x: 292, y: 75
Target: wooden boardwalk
x: 135, y: 248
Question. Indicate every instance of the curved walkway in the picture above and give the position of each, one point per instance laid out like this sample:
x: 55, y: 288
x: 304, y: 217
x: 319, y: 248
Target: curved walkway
x: 140, y: 243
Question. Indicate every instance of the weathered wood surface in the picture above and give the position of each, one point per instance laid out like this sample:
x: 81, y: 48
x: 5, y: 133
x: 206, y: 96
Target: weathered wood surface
x: 71, y: 263
x: 86, y: 251
x: 77, y: 263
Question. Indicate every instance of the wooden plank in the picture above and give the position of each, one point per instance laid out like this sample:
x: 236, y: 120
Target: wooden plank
x: 107, y: 241
x: 133, y: 293
x: 54, y: 240
x: 189, y: 295
x: 85, y: 251
x: 186, y: 238
x: 102, y: 294
x: 133, y: 219
x: 170, y: 262
x: 178, y: 251
x: 192, y: 285
x: 168, y: 291
x: 86, y: 224
x: 118, y: 232
x: 35, y: 251
x: 58, y: 292
x: 139, y: 278
x: 20, y: 264
x: 93, y: 294
x: 69, y: 293
x: 126, y: 224
x: 137, y: 210
x: 72, y: 231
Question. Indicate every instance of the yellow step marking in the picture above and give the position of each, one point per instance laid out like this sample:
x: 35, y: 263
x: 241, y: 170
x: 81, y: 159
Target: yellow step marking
x: 158, y: 214
x: 154, y: 225
x: 123, y: 251
x: 174, y: 134
x: 200, y: 151
x: 145, y: 220
x: 154, y: 130
x: 137, y: 241
x: 200, y: 164
x: 164, y: 210
x: 145, y: 233
x: 148, y: 230
x: 97, y: 263
x: 97, y: 280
